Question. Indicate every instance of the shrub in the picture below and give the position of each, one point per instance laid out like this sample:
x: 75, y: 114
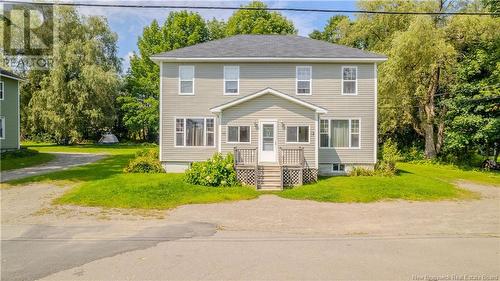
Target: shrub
x: 145, y: 161
x: 216, y: 171
x: 390, y: 155
x: 360, y: 171
x: 413, y: 154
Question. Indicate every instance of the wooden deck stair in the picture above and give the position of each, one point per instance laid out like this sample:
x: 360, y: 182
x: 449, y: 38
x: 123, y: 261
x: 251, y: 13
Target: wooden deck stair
x: 270, y: 178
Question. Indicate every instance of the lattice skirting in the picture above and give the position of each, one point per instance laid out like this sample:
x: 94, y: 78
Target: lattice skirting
x: 246, y: 176
x: 310, y: 175
x: 291, y: 176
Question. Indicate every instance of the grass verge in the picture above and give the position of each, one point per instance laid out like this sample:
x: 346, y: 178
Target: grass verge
x: 13, y: 160
x: 150, y: 191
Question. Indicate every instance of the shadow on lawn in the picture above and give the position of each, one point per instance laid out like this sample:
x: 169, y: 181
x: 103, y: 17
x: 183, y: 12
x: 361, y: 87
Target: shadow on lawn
x: 101, y: 169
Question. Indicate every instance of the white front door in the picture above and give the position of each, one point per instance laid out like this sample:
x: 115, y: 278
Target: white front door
x: 267, y: 141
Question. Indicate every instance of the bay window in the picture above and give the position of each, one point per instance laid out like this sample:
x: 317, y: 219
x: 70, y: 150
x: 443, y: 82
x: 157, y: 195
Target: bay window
x: 194, y: 132
x: 340, y: 133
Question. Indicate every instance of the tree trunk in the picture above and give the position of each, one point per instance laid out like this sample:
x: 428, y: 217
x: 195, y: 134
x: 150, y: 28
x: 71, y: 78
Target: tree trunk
x: 429, y: 117
x: 430, y: 147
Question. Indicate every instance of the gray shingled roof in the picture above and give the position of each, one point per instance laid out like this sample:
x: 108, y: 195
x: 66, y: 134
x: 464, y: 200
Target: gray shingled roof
x: 268, y: 46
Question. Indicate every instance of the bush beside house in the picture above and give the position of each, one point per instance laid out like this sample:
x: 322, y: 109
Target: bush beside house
x: 216, y: 171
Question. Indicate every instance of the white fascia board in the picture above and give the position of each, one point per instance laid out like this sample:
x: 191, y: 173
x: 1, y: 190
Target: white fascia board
x: 268, y: 91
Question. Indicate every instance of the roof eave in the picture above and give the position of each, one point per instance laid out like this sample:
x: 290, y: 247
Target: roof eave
x: 158, y: 59
x: 12, y: 77
x: 220, y: 108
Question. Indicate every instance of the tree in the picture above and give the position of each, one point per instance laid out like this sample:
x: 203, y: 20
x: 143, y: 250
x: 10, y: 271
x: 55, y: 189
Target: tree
x: 216, y: 29
x: 75, y: 100
x: 417, y: 71
x: 139, y: 103
x: 335, y: 30
x: 258, y: 21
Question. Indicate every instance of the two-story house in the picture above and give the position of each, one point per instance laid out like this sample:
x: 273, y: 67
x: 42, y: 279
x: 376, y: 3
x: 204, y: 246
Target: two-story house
x: 288, y: 107
x: 9, y: 110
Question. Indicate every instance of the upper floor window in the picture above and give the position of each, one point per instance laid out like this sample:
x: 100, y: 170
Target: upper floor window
x: 297, y: 134
x: 194, y: 132
x: 340, y: 133
x: 303, y: 80
x: 238, y: 134
x: 349, y: 80
x: 2, y: 127
x: 1, y: 90
x: 231, y: 79
x: 186, y: 80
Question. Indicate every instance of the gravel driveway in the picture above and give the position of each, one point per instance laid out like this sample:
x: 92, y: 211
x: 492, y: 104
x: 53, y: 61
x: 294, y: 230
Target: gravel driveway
x: 61, y: 162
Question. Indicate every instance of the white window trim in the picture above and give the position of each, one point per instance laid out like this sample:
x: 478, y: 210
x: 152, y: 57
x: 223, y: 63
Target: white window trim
x: 249, y: 134
x: 2, y: 89
x: 297, y: 80
x: 186, y: 66
x: 339, y: 171
x: 298, y: 142
x: 2, y: 120
x: 330, y: 133
x: 238, y: 81
x: 204, y: 132
x: 355, y: 81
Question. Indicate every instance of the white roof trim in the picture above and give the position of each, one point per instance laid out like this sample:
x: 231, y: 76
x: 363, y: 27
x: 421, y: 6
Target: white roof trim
x: 317, y: 109
x: 11, y: 77
x: 267, y: 59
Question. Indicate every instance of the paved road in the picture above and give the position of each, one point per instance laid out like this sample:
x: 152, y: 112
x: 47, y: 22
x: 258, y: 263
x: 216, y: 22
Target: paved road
x: 267, y: 238
x: 263, y: 256
x: 40, y: 250
x: 61, y: 162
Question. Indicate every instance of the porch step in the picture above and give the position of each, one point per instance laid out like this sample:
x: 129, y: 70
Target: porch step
x: 270, y: 178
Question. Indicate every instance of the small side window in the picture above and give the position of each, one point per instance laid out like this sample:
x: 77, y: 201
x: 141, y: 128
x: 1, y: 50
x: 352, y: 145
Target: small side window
x: 238, y: 134
x: 2, y: 127
x: 231, y: 79
x: 1, y: 90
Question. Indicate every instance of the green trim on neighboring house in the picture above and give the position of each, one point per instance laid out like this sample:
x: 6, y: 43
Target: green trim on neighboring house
x: 9, y: 113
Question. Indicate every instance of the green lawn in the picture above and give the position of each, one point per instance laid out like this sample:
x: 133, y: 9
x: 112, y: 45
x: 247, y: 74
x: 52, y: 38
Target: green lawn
x: 11, y: 163
x: 414, y: 182
x: 104, y: 184
x: 150, y: 191
x: 112, y: 149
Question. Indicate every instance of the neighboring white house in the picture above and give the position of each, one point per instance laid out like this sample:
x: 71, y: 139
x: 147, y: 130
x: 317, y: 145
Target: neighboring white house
x: 287, y: 106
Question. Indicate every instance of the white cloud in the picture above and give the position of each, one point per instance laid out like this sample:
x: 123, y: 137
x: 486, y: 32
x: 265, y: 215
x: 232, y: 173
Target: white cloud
x: 126, y: 61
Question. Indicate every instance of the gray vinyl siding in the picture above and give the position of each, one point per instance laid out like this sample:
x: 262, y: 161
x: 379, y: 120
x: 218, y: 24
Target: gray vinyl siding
x: 326, y: 92
x: 9, y: 109
x: 270, y: 107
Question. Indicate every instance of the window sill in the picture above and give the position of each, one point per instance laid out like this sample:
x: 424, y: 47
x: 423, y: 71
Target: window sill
x: 231, y: 94
x: 186, y: 94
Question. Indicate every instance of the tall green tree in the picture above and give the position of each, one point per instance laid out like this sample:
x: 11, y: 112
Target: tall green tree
x: 258, y: 21
x: 139, y: 103
x: 334, y: 31
x: 216, y: 29
x: 75, y: 100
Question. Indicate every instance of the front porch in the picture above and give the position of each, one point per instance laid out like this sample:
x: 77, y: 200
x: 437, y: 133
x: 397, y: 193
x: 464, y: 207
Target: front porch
x: 290, y: 169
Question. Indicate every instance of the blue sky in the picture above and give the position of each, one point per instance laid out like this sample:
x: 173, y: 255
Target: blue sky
x: 128, y: 23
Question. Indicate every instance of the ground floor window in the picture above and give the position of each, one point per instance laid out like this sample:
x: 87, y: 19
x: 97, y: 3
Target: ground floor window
x: 299, y: 134
x: 2, y: 127
x: 337, y: 167
x: 194, y: 132
x: 340, y: 133
x: 238, y: 134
